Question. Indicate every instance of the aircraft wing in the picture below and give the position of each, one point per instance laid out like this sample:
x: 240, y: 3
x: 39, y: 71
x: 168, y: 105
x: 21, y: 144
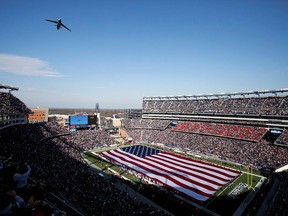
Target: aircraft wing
x: 65, y: 27
x: 54, y: 21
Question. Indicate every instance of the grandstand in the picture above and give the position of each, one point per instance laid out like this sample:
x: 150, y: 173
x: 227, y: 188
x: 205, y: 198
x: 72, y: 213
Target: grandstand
x: 242, y: 134
x: 12, y: 111
x: 268, y: 103
x: 248, y: 117
x: 60, y: 181
x: 245, y: 128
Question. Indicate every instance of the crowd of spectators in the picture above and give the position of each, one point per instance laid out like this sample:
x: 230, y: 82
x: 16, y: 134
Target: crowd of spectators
x: 274, y: 105
x: 226, y: 130
x: 12, y: 105
x: 257, y: 154
x: 59, y: 162
x: 12, y: 110
x: 146, y: 123
x: 48, y: 151
x: 18, y: 194
x: 283, y: 138
x: 89, y: 139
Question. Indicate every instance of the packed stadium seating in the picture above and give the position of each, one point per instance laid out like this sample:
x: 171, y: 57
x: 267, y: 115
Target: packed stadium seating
x: 146, y: 123
x: 11, y: 104
x: 231, y: 138
x: 58, y: 160
x: 250, y: 105
x: 12, y: 110
x: 225, y: 130
x: 259, y: 154
x: 283, y: 138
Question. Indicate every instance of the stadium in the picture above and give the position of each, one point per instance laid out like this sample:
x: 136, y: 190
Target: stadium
x: 216, y: 154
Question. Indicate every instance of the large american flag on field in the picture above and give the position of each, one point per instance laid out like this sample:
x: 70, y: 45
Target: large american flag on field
x: 194, y: 178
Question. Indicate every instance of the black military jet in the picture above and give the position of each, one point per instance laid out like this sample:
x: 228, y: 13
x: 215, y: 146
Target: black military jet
x: 59, y: 24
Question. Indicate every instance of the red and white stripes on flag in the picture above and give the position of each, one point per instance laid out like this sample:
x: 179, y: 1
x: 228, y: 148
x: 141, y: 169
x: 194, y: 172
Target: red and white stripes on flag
x: 196, y: 179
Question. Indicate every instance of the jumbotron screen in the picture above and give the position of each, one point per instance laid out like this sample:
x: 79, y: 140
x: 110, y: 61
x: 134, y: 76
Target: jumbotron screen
x: 82, y: 121
x: 78, y: 120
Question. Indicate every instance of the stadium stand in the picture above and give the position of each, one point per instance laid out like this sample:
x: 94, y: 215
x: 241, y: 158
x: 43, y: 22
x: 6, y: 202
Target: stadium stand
x: 220, y: 104
x: 225, y: 130
x: 221, y: 135
x: 52, y: 159
x: 146, y: 123
x: 259, y: 154
x: 227, y: 127
x: 12, y: 110
x: 283, y: 138
x: 59, y: 162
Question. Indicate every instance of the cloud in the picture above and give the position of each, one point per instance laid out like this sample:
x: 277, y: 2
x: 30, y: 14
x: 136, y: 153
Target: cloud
x: 25, y: 66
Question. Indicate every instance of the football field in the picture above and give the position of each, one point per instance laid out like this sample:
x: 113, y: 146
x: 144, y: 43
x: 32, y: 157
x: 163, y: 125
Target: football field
x: 203, y: 185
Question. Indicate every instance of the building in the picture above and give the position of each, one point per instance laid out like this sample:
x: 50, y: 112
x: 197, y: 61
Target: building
x: 38, y: 115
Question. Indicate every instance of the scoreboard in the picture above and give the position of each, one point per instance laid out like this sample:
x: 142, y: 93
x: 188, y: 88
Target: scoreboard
x: 82, y: 121
x: 92, y: 120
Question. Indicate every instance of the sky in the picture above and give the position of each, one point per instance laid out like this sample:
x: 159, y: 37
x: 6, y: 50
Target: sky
x: 120, y: 51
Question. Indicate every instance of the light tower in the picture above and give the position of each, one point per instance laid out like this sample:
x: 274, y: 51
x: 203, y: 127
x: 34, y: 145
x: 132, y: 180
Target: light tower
x: 97, y: 109
x: 97, y: 114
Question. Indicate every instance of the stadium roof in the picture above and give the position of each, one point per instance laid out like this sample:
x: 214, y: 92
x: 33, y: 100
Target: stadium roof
x: 219, y: 95
x: 11, y: 88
